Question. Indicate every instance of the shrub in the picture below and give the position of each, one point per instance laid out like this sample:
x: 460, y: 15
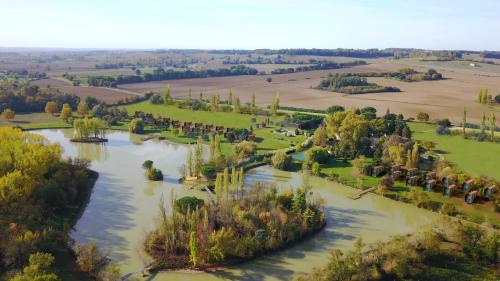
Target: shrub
x: 281, y: 160
x: 422, y: 116
x: 147, y: 164
x: 316, y: 169
x: 182, y: 205
x: 154, y: 174
x: 441, y: 130
x: 136, y: 126
x: 208, y: 171
x: 244, y: 149
x: 335, y: 108
x: 448, y: 209
x: 445, y: 122
x: 318, y: 154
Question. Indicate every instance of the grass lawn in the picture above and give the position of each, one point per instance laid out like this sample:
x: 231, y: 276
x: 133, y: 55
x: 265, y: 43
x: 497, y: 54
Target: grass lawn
x: 267, y: 140
x: 31, y: 121
x: 470, y: 156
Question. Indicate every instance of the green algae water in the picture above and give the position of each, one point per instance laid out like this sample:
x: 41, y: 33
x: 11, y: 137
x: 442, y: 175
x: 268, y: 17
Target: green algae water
x: 124, y: 206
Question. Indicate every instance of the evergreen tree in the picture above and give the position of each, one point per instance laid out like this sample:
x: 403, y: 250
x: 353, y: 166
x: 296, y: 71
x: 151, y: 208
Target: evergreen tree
x: 194, y: 249
x: 483, y: 123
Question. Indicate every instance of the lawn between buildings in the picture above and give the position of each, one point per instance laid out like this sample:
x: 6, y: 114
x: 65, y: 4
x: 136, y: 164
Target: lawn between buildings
x: 266, y: 139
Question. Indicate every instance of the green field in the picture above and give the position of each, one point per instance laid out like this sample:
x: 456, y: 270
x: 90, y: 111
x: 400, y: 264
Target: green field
x: 469, y: 156
x: 267, y: 140
x: 30, y: 121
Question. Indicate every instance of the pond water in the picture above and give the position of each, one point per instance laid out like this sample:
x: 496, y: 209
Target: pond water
x: 124, y: 206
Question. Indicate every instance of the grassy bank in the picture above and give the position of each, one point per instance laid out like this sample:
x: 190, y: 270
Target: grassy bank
x: 473, y: 157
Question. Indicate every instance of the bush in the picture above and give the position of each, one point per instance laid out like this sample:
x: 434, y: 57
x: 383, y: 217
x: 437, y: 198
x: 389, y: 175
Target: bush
x: 441, y: 130
x: 316, y: 169
x: 281, y: 160
x: 422, y: 116
x: 443, y: 122
x: 318, y: 154
x: 208, y: 171
x: 136, y: 126
x: 335, y: 108
x: 182, y: 205
x: 448, y: 209
x: 244, y: 149
x: 147, y: 164
x: 154, y: 174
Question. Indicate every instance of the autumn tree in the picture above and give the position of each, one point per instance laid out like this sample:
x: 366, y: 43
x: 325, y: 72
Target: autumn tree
x: 320, y: 136
x: 66, y: 113
x: 276, y: 104
x: 51, y: 107
x: 237, y: 105
x: 82, y: 108
x: 230, y: 97
x: 483, y: 123
x: 8, y: 114
x: 39, y: 269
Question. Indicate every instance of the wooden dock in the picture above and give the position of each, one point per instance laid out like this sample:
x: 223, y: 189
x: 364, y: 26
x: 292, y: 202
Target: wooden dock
x: 358, y: 195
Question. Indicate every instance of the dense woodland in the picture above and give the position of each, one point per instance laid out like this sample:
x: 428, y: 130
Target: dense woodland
x: 405, y: 75
x: 352, y: 84
x: 22, y: 97
x: 41, y: 196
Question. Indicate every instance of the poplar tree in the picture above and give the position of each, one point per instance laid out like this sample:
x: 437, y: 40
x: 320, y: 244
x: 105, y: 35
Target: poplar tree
x: 492, y: 125
x: 253, y: 100
x: 218, y: 157
x: 464, y: 121
x: 237, y: 105
x: 189, y: 95
x: 483, y: 123
x: 230, y: 98
x: 166, y: 95
x: 194, y: 249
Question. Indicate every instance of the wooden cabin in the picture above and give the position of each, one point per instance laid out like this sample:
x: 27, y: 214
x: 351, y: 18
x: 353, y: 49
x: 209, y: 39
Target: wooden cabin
x: 395, y: 168
x: 377, y: 171
x: 466, y: 186
x: 412, y: 181
x: 430, y: 184
x: 411, y: 172
x: 430, y: 176
x: 449, y: 180
x: 450, y: 190
x: 490, y: 192
x: 470, y: 197
x: 396, y: 175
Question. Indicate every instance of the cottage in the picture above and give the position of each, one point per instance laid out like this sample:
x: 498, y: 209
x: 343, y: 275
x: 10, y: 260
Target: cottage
x: 471, y: 197
x: 490, y: 192
x: 395, y: 168
x: 466, y: 186
x: 430, y: 184
x: 396, y: 175
x: 430, y: 176
x: 377, y: 170
x: 411, y: 172
x: 450, y: 190
x: 449, y: 180
x: 412, y: 181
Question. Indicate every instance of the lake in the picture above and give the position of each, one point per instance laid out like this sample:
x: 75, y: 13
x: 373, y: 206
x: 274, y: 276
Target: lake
x: 124, y: 206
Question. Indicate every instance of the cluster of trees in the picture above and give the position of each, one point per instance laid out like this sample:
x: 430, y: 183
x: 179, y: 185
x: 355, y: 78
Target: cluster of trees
x: 352, y: 84
x: 152, y: 173
x: 317, y: 66
x: 22, y: 73
x: 405, y: 75
x: 89, y: 129
x: 439, y: 253
x: 238, y: 226
x: 480, y: 135
x: 23, y: 97
x: 484, y: 97
x: 41, y: 196
x: 265, y: 60
x: 490, y: 55
x: 305, y: 121
x: 347, y: 133
x: 170, y: 74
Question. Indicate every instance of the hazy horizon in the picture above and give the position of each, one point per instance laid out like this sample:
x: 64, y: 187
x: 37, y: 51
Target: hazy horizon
x: 258, y: 24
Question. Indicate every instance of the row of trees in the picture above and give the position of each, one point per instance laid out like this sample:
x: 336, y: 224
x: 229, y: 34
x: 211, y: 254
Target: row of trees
x: 170, y: 74
x: 317, y: 66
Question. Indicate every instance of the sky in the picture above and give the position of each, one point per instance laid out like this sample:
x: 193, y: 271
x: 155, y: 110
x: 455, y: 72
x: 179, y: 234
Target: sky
x: 250, y: 24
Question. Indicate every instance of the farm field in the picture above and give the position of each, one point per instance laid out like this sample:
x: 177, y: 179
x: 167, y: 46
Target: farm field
x: 440, y: 99
x: 107, y: 95
x: 476, y: 158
